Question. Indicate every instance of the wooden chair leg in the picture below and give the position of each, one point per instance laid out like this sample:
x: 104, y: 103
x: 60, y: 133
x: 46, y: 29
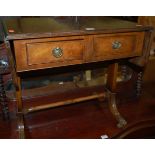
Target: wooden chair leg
x: 111, y: 94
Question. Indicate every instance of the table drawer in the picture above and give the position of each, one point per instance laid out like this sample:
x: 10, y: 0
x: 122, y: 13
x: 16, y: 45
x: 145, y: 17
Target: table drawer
x: 114, y: 46
x: 50, y: 52
x: 44, y: 53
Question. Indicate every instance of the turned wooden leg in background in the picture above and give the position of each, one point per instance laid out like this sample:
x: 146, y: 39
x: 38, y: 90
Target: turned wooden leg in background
x: 139, y: 84
x: 111, y: 94
x: 20, y: 108
x: 3, y: 100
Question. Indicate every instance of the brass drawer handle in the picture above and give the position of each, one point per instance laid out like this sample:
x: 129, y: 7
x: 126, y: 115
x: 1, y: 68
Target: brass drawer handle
x: 57, y: 52
x: 116, y: 45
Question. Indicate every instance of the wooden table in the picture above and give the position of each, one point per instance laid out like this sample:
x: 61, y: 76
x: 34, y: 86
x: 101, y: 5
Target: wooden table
x: 36, y: 44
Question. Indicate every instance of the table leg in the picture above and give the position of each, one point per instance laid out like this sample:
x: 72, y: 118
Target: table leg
x: 21, y: 132
x: 111, y: 94
x: 20, y: 109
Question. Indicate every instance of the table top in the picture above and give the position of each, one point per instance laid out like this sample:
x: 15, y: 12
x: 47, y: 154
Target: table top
x: 39, y: 27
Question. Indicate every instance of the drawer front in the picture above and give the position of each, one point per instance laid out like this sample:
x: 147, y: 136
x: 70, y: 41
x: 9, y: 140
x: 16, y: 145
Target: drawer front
x: 117, y: 46
x: 36, y: 54
x: 51, y: 52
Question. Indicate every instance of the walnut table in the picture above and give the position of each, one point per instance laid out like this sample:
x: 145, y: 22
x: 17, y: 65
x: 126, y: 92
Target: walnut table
x: 46, y: 43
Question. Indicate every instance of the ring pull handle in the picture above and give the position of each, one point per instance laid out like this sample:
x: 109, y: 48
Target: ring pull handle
x: 116, y: 45
x: 57, y: 52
